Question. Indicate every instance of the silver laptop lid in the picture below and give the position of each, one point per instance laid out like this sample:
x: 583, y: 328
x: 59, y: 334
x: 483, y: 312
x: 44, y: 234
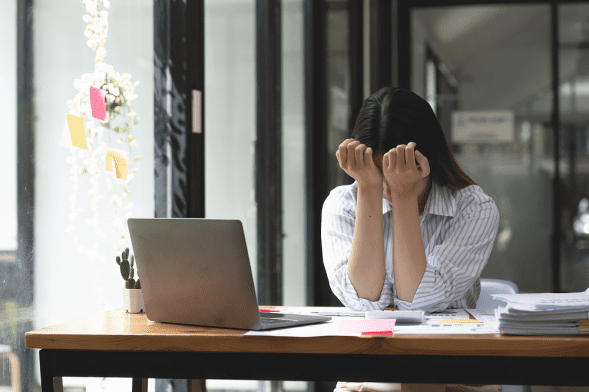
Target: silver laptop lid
x: 195, y: 271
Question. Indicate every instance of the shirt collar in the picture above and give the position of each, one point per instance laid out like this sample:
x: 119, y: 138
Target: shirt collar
x: 440, y: 201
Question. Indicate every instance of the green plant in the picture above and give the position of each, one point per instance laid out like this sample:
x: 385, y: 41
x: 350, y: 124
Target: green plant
x: 128, y: 270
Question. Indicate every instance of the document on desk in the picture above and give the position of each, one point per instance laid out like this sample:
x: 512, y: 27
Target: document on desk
x: 547, y: 301
x: 437, y: 327
x: 485, y: 315
x: 343, y: 311
x: 447, y: 314
x: 431, y: 326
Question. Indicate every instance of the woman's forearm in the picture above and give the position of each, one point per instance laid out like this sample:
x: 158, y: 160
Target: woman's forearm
x: 366, y: 265
x: 409, y: 260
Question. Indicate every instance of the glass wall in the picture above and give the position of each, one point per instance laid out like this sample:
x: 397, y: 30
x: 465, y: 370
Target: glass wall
x: 491, y: 65
x: 574, y: 148
x: 8, y: 233
x: 230, y: 124
x: 230, y: 127
x: 338, y: 88
x: 293, y: 155
x: 80, y: 208
x: 11, y: 321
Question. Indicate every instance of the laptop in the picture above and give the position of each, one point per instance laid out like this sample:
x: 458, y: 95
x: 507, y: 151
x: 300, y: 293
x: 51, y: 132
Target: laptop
x: 197, y: 271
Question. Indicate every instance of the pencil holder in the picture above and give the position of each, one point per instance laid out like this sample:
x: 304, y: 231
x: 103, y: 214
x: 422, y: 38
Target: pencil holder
x: 133, y: 300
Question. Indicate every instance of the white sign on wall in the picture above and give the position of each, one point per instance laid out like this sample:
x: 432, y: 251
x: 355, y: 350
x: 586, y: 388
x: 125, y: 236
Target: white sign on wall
x: 486, y: 126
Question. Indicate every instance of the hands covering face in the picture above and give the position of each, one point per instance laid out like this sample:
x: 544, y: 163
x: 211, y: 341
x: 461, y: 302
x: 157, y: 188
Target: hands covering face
x: 356, y: 160
x: 400, y: 172
x: 400, y: 169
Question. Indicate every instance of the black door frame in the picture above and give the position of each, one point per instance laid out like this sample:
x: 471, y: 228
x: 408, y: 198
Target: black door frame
x: 316, y: 104
x: 268, y: 171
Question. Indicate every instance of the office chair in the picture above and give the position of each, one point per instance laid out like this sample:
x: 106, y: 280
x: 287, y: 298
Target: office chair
x: 486, y: 301
x: 6, y: 352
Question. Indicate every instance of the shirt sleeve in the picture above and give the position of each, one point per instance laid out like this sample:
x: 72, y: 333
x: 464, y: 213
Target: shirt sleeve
x: 454, y: 266
x: 337, y: 231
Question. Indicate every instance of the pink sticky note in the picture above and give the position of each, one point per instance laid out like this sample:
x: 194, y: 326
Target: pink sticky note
x: 370, y: 325
x: 98, y: 104
x: 380, y: 333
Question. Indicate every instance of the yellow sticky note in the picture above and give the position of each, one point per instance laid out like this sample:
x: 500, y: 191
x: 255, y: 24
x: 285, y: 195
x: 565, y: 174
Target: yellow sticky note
x: 120, y: 163
x: 448, y: 321
x: 76, y: 126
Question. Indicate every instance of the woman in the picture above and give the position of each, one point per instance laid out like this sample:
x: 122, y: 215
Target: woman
x: 413, y: 231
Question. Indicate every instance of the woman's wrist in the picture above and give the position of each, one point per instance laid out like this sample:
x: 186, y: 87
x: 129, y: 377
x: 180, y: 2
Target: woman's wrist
x: 370, y: 189
x: 401, y: 197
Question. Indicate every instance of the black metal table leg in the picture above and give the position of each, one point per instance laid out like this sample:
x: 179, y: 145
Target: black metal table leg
x: 57, y: 384
x: 46, y: 376
x: 139, y: 385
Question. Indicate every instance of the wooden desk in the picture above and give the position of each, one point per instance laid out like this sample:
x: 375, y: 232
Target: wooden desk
x: 116, y: 344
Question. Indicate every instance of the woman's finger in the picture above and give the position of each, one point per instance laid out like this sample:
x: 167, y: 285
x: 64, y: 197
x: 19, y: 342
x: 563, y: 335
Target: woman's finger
x: 351, y: 153
x: 385, y: 162
x: 359, y: 152
x: 400, y: 156
x: 392, y: 159
x: 343, y: 151
x: 368, y: 159
x: 410, y: 155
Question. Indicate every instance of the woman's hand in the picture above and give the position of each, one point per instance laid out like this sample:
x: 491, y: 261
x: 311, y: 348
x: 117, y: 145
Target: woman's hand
x: 356, y: 160
x: 400, y: 170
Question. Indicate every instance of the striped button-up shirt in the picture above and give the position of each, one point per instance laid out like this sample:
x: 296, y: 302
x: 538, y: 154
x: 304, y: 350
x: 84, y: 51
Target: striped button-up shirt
x: 458, y: 228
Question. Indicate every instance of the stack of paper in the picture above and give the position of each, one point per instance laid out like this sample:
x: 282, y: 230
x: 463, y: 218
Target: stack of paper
x: 543, y: 313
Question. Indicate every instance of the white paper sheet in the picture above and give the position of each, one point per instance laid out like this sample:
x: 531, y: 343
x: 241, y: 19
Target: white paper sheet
x: 447, y: 314
x: 431, y: 326
x: 546, y: 301
x: 435, y: 328
x: 485, y: 315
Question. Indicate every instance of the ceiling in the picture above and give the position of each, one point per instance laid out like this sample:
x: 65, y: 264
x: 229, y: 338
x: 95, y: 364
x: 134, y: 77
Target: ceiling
x: 500, y: 54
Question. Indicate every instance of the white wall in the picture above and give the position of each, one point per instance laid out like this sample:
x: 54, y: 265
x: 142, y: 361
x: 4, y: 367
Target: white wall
x: 8, y: 147
x: 68, y: 284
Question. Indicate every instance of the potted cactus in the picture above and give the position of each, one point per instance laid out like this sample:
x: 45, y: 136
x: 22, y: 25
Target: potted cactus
x: 132, y: 294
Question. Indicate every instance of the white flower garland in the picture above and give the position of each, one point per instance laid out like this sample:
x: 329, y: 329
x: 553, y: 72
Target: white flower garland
x: 120, y: 93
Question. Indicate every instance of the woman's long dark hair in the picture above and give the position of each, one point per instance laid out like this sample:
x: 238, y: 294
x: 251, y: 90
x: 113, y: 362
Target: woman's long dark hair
x: 394, y: 116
